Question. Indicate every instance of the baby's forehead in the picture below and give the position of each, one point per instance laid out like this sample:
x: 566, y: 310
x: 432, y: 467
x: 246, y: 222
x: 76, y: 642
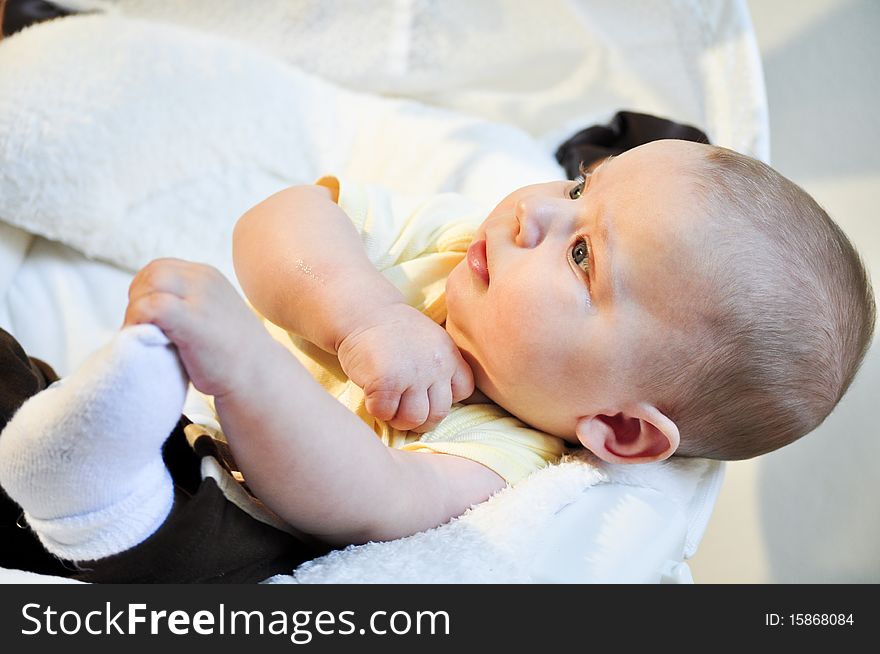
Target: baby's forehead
x: 665, y: 248
x: 659, y: 203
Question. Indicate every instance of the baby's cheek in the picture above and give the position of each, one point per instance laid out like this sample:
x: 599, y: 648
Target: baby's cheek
x: 527, y: 310
x: 522, y: 327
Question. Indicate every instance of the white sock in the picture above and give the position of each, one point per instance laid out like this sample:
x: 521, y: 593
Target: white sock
x: 83, y: 457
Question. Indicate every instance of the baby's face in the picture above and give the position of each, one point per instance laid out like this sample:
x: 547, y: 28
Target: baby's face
x: 570, y: 293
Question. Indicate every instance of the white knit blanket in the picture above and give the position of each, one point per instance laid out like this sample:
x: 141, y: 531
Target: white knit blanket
x: 130, y: 140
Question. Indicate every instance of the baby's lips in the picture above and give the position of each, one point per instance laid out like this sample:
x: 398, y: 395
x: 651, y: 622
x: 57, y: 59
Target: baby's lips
x: 477, y: 260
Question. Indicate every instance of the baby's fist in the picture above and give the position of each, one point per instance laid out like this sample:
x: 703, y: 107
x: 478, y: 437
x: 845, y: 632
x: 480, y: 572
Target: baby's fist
x: 408, y: 366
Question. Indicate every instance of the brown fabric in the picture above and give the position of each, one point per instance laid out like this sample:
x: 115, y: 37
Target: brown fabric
x: 18, y: 14
x: 206, y: 539
x: 21, y: 377
x: 626, y: 130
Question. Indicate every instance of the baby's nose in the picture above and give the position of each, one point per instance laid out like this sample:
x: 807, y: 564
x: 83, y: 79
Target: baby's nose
x: 534, y: 216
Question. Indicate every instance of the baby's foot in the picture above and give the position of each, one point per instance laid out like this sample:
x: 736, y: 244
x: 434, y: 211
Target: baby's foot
x: 83, y: 458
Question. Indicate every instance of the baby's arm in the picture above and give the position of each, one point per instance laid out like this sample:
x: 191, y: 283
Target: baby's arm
x: 324, y: 471
x: 303, y: 453
x: 302, y: 265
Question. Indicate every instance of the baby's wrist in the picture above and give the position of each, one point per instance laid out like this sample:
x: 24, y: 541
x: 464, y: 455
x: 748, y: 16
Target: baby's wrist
x: 256, y: 367
x: 364, y: 313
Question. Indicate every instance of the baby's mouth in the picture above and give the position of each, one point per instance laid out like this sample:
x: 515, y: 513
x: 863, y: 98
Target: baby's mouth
x: 477, y: 260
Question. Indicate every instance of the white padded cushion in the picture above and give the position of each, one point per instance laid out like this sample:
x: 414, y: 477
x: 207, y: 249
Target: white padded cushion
x: 549, y: 67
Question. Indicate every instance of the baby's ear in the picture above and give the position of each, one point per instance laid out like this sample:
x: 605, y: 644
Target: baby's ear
x: 640, y: 434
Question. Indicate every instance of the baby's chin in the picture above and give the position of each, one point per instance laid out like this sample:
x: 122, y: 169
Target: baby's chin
x: 455, y: 281
x: 456, y: 308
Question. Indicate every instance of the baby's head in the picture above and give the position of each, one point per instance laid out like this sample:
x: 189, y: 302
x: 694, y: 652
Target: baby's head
x: 683, y: 298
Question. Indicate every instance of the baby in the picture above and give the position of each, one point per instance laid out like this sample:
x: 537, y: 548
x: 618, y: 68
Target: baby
x: 679, y: 299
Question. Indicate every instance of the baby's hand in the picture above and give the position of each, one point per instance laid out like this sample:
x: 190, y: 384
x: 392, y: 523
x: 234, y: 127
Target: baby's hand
x: 410, y: 369
x: 216, y: 334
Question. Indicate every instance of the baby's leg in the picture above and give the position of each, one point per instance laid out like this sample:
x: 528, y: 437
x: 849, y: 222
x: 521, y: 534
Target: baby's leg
x: 83, y: 458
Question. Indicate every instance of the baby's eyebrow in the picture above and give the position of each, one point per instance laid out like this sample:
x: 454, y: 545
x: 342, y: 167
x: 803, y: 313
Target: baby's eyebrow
x: 582, y: 170
x: 594, y: 168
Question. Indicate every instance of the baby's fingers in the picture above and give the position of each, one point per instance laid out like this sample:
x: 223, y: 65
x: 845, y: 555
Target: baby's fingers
x: 161, y: 309
x: 382, y: 404
x: 161, y: 276
x: 439, y: 401
x: 462, y: 381
x: 413, y: 410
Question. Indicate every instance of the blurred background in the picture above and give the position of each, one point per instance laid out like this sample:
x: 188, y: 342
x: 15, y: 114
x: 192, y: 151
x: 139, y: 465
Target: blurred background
x: 810, y: 512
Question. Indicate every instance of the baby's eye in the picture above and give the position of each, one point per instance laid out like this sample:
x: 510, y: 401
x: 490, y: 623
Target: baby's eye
x: 580, y: 254
x: 578, y: 189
